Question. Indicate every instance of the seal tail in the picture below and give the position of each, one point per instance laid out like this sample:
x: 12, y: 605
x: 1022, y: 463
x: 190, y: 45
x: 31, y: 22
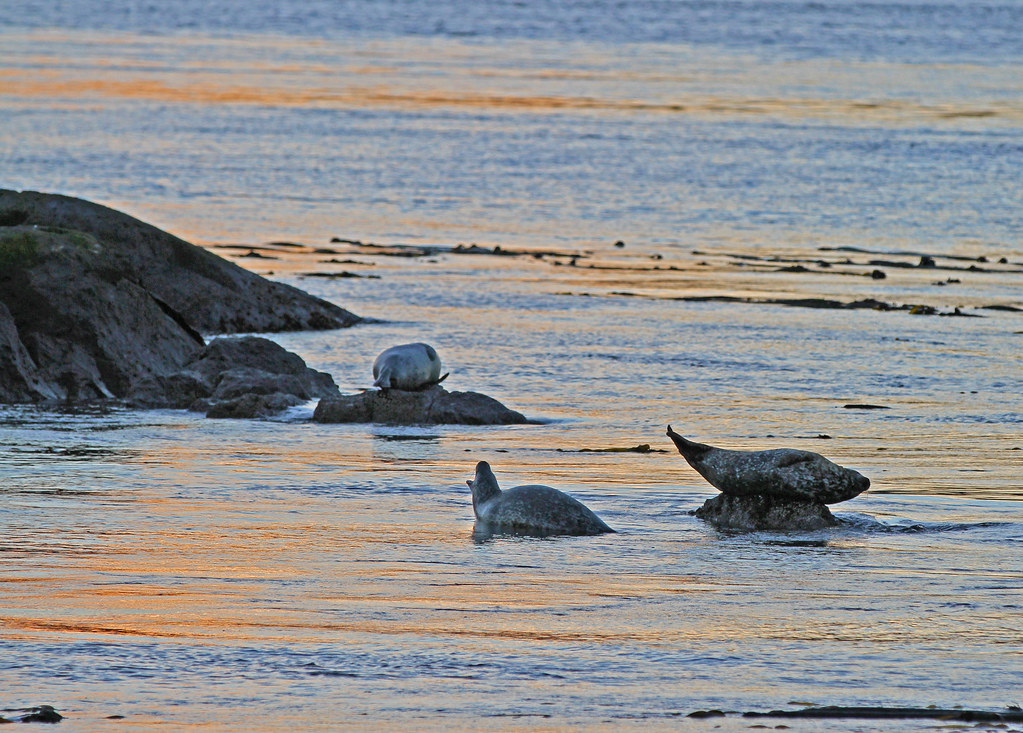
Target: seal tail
x: 426, y: 385
x: 690, y: 451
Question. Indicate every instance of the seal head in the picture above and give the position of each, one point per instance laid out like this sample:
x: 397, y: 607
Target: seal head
x: 784, y: 472
x: 409, y: 367
x: 532, y: 510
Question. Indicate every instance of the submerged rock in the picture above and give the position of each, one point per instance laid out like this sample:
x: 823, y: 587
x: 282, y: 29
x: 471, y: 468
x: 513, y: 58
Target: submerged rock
x: 252, y: 405
x: 431, y: 406
x: 38, y: 714
x: 760, y: 512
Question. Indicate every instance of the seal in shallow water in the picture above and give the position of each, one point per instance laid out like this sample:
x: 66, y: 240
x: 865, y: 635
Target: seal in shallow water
x: 784, y: 472
x: 409, y: 367
x: 531, y: 509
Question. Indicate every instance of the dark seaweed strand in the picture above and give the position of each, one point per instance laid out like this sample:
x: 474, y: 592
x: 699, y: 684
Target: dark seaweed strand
x: 838, y: 711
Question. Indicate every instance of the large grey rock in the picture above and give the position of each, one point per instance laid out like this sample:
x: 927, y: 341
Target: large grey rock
x: 432, y: 406
x: 244, y: 376
x: 97, y: 305
x: 89, y: 332
x: 210, y: 293
x: 20, y: 380
x: 760, y: 512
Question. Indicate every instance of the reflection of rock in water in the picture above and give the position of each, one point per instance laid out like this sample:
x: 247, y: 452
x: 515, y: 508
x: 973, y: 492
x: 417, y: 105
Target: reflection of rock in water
x: 531, y: 510
x: 771, y: 489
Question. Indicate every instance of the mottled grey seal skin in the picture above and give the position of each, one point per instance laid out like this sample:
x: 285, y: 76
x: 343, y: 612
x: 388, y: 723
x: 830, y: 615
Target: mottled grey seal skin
x: 409, y: 367
x: 532, y: 510
x: 785, y: 472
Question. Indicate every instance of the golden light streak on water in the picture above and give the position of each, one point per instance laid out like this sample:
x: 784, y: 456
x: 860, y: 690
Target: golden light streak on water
x: 121, y: 71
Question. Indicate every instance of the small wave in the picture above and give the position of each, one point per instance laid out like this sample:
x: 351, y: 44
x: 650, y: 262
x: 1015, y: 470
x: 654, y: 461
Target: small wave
x: 867, y: 523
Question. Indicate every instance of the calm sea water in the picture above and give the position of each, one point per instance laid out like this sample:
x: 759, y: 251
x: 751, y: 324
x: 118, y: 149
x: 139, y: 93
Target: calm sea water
x: 281, y: 575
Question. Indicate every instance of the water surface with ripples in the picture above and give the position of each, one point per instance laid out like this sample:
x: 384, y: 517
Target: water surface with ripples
x: 281, y: 575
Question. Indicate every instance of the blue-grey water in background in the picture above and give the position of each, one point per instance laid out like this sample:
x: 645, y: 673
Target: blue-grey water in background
x: 272, y: 575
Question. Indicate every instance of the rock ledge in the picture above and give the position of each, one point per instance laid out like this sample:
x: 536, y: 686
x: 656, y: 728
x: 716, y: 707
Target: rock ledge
x: 433, y: 406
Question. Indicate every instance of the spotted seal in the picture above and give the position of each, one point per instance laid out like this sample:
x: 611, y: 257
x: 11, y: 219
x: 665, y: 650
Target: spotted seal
x: 532, y: 509
x: 408, y: 367
x: 784, y: 472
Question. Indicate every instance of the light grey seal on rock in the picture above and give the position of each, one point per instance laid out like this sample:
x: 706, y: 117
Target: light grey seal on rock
x: 784, y: 472
x: 409, y: 367
x: 531, y: 510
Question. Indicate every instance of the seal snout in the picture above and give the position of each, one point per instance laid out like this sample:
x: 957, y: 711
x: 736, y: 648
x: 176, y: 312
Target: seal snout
x: 482, y: 469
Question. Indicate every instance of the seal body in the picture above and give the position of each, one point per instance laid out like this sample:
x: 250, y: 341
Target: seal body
x: 531, y: 510
x: 785, y: 472
x: 409, y: 367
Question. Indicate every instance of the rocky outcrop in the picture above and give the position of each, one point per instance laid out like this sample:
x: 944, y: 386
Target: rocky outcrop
x: 237, y: 377
x: 209, y: 293
x: 85, y: 331
x: 760, y: 512
x: 433, y: 406
x: 97, y: 305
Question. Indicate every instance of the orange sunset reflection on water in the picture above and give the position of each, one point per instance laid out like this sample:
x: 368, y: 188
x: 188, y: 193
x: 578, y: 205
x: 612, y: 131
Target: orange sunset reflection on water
x: 664, y: 233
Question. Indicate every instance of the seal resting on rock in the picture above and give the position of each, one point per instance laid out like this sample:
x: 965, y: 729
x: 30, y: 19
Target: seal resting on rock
x: 784, y: 472
x: 408, y: 367
x: 530, y: 510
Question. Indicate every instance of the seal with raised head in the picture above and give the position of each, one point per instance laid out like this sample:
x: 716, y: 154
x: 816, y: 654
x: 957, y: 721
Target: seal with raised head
x: 409, y: 367
x: 531, y: 509
x: 783, y: 472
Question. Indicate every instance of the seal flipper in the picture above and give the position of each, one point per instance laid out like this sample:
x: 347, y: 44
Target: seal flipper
x: 383, y: 379
x: 427, y: 385
x: 793, y: 459
x: 690, y: 451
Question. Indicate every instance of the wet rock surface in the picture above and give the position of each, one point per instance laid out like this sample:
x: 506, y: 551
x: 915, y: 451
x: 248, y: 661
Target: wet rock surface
x: 237, y: 377
x: 760, y: 512
x: 432, y: 406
